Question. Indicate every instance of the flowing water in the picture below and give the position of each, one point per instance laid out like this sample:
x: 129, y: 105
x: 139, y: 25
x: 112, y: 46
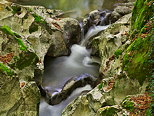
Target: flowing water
x: 59, y: 70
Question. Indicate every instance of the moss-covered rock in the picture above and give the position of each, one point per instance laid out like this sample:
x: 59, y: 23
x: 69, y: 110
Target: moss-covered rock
x: 108, y: 111
x: 137, y: 104
x: 137, y: 61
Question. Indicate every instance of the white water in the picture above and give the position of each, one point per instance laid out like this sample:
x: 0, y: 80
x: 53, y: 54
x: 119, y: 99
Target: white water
x: 48, y: 110
x: 91, y: 32
x: 58, y: 71
x: 61, y: 69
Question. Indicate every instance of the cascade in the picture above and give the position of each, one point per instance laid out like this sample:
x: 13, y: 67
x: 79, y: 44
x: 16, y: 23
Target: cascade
x: 61, y: 69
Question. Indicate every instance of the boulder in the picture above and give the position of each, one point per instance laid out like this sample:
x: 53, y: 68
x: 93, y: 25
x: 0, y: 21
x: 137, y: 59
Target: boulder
x: 120, y: 10
x: 69, y: 87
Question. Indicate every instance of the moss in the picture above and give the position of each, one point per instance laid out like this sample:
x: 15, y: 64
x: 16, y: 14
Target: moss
x: 6, y: 69
x: 21, y: 44
x: 33, y: 28
x: 125, y: 60
x: 38, y: 18
x: 118, y: 52
x: 128, y: 105
x: 100, y: 86
x: 25, y: 59
x: 136, y: 60
x: 7, y: 30
x: 148, y: 112
x: 15, y: 9
x: 136, y: 45
x: 108, y: 111
x: 141, y: 13
x: 16, y: 36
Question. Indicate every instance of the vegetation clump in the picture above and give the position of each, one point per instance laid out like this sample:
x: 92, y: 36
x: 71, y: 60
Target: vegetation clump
x: 16, y: 36
x: 6, y: 69
x: 137, y: 59
x: 38, y: 18
x: 118, y: 52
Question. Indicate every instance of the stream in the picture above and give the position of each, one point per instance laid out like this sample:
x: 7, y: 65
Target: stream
x: 58, y: 71
x: 61, y: 69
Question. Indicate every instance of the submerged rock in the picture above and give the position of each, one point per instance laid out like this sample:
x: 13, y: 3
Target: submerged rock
x: 69, y: 87
x: 96, y: 17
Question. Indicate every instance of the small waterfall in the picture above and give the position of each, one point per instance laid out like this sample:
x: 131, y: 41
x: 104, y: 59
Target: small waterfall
x: 91, y: 32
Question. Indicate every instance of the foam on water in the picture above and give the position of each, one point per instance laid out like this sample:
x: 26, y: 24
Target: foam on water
x: 93, y: 31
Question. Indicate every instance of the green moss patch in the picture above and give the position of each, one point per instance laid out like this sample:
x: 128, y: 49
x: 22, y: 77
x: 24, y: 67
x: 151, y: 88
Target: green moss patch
x: 108, y: 111
x: 100, y: 86
x: 16, y: 36
x: 5, y: 69
x: 142, y: 12
x: 118, y: 52
x: 25, y: 59
x: 38, y: 18
x: 136, y: 61
x: 129, y: 105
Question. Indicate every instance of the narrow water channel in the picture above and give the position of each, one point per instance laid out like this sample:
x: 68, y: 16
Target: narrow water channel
x: 59, y: 70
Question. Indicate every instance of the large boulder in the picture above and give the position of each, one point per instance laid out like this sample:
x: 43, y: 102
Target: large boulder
x: 73, y: 83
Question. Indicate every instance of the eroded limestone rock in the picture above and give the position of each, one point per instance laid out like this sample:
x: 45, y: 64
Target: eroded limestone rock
x: 25, y: 38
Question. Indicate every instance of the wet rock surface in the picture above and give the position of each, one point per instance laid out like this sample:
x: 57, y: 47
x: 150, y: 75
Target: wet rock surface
x: 106, y: 17
x: 72, y: 84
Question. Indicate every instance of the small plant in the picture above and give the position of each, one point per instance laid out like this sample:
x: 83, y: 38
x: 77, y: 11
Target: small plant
x: 6, y: 69
x: 100, y: 86
x: 118, y: 52
x: 6, y: 29
x: 38, y: 18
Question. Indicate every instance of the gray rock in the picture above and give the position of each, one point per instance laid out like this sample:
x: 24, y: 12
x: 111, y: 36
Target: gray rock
x: 95, y: 18
x: 70, y: 86
x: 108, y: 95
x: 123, y: 10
